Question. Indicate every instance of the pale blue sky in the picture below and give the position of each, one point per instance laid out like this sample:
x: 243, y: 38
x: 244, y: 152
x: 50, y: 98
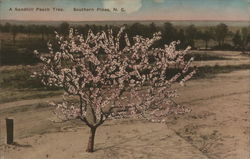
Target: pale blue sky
x: 230, y: 10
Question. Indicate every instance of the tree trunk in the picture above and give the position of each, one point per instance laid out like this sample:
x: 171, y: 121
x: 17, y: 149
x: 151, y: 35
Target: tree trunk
x: 222, y: 42
x: 14, y: 39
x: 42, y: 36
x: 90, y: 147
x: 243, y: 49
x: 29, y: 36
x: 206, y: 45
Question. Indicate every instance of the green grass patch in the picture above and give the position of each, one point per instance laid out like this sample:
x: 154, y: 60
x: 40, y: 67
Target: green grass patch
x: 16, y: 84
x: 19, y: 77
x: 211, y: 71
x: 204, y: 56
x: 11, y: 95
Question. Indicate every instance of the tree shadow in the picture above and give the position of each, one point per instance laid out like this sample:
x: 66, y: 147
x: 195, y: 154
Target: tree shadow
x: 21, y: 145
x: 124, y: 141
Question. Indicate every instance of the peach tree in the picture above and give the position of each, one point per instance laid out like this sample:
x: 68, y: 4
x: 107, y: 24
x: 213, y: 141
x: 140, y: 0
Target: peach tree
x: 108, y: 80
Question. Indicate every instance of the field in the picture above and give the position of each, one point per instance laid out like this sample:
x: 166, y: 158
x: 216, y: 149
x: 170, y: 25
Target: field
x: 216, y: 128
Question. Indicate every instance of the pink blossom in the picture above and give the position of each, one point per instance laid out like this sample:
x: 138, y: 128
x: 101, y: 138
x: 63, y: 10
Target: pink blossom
x: 120, y: 84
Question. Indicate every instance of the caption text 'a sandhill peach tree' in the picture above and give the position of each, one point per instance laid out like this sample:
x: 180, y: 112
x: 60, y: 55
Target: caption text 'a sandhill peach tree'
x: 113, y: 76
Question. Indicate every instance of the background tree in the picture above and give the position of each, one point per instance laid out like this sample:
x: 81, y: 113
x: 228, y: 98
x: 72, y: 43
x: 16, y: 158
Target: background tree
x: 169, y: 33
x: 152, y: 28
x: 27, y: 31
x: 206, y: 36
x: 14, y: 30
x: 241, y: 39
x: 7, y: 27
x: 191, y: 34
x: 138, y: 29
x: 237, y: 40
x: 134, y: 81
x: 43, y: 29
x: 181, y: 36
x: 221, y: 31
x: 63, y: 28
x: 1, y: 28
x: 50, y: 31
x: 245, y: 38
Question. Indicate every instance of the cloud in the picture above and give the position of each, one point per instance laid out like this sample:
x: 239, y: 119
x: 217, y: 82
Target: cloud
x: 129, y: 6
x: 159, y: 1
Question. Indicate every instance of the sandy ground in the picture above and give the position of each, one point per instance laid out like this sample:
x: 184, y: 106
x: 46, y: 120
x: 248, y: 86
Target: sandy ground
x: 217, y: 128
x: 219, y: 123
x: 120, y: 139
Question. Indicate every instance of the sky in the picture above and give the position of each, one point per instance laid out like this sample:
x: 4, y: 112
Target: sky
x: 76, y: 10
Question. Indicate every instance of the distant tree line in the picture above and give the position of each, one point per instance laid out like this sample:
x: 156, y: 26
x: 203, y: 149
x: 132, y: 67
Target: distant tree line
x: 187, y: 35
x: 217, y: 37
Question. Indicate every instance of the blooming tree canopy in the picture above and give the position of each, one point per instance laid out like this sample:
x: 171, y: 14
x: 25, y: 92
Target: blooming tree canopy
x: 111, y: 80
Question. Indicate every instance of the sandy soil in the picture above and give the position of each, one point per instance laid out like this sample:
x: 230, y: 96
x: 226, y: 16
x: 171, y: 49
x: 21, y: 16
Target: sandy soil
x: 217, y: 128
x: 219, y: 123
x: 121, y: 139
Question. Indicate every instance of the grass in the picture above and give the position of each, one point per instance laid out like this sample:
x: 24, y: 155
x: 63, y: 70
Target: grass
x: 11, y: 95
x: 18, y: 77
x: 16, y: 84
x: 211, y: 71
x: 203, y: 56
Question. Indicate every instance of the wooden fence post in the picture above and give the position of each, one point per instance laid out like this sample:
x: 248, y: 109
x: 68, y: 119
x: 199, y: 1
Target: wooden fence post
x: 1, y: 44
x: 10, y: 130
